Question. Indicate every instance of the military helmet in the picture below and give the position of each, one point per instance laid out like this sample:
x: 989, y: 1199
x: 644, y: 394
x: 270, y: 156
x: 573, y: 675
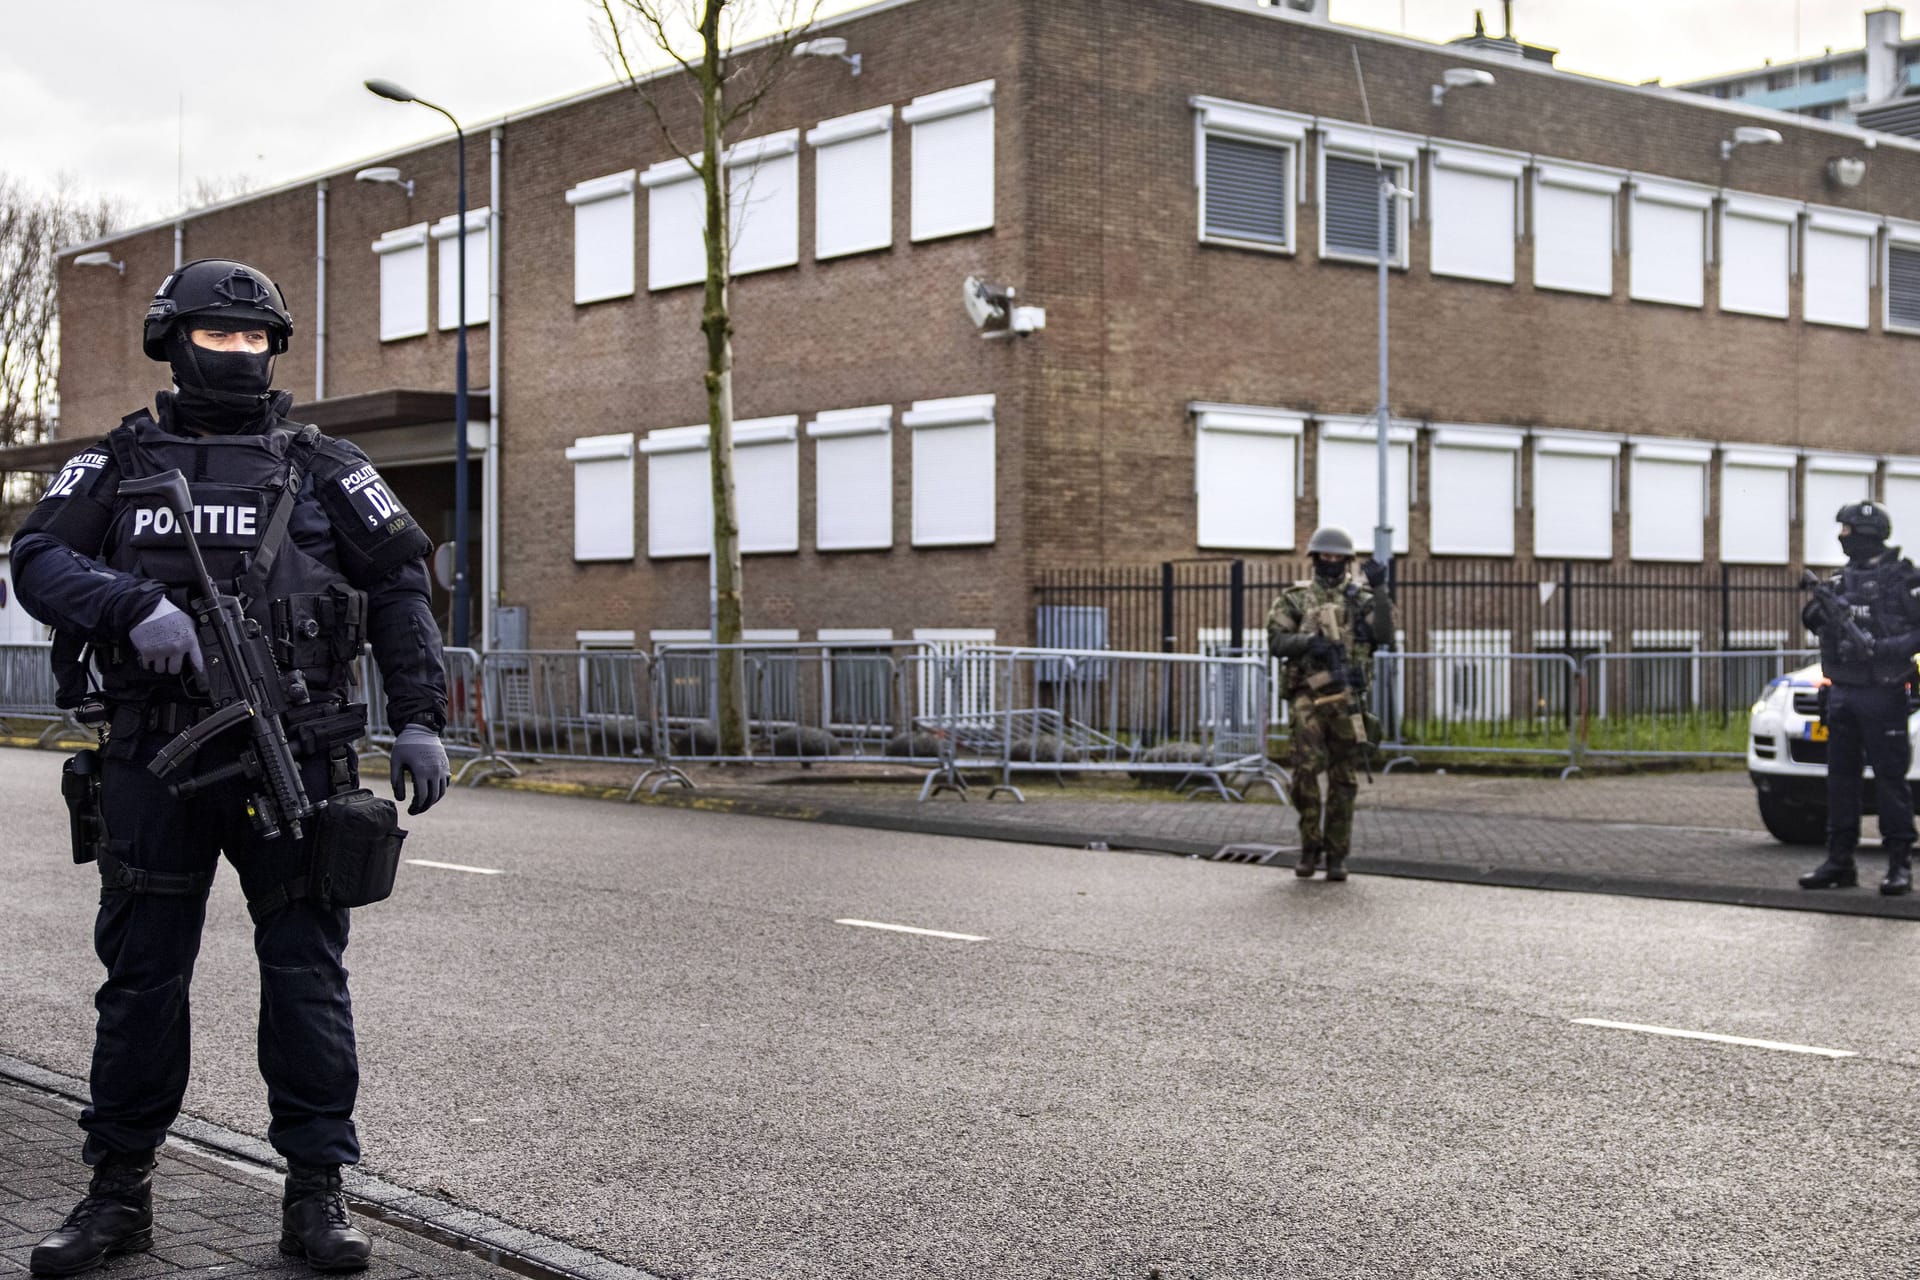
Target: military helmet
x: 1869, y: 518
x: 1330, y: 540
x: 222, y: 294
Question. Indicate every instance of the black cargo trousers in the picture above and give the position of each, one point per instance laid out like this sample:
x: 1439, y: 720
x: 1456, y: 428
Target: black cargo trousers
x: 147, y: 935
x: 1867, y: 725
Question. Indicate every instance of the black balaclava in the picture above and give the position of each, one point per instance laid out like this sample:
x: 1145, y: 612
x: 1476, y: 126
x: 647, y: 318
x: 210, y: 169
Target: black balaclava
x: 1329, y: 571
x: 1862, y: 546
x: 224, y: 392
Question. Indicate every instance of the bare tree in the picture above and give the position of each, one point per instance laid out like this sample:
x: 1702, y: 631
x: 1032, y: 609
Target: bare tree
x: 220, y: 188
x: 33, y: 227
x: 699, y: 37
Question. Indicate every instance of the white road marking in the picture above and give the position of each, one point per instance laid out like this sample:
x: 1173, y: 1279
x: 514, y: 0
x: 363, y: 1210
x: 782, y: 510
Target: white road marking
x: 1719, y: 1039
x: 907, y: 928
x: 454, y: 866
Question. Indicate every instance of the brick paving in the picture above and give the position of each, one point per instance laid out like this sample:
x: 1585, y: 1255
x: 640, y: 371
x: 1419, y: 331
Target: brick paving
x: 211, y: 1217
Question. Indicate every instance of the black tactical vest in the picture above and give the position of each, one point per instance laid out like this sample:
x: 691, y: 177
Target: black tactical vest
x: 316, y: 619
x: 1879, y: 594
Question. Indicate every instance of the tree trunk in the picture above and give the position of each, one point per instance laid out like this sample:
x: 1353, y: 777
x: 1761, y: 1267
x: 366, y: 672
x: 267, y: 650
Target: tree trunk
x: 717, y: 323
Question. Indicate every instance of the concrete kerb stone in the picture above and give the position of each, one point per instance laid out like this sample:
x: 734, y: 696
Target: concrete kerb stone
x: 487, y: 1238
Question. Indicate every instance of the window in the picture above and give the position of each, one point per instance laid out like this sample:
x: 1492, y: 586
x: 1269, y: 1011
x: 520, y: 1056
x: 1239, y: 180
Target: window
x: 1833, y: 481
x: 1660, y: 685
x: 603, y: 237
x: 1246, y: 464
x: 403, y: 282
x: 447, y: 232
x: 953, y: 471
x: 763, y: 202
x: 1346, y: 478
x: 860, y: 691
x: 1248, y: 166
x: 1575, y: 494
x: 1756, y: 489
x: 602, y: 497
x: 1903, y: 278
x: 1475, y: 486
x: 679, y: 493
x: 1350, y: 195
x: 1669, y: 243
x: 1475, y: 682
x: 1756, y: 248
x: 953, y: 686
x: 853, y: 478
x: 1573, y: 228
x: 1669, y: 500
x: 1474, y: 210
x: 612, y: 682
x: 1839, y: 260
x: 952, y: 160
x: 852, y: 183
x: 1901, y: 497
x: 766, y: 488
x: 1780, y: 80
x: 676, y: 221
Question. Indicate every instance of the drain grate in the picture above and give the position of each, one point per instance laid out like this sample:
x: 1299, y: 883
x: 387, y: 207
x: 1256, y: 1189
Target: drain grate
x: 1258, y: 855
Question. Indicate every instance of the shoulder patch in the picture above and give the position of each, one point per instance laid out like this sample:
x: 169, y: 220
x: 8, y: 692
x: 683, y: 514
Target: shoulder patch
x: 372, y: 501
x: 77, y: 474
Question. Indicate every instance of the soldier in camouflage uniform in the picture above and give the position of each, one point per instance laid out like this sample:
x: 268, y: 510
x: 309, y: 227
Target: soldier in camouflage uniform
x: 1326, y: 628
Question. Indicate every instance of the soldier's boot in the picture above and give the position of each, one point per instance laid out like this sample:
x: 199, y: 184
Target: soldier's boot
x: 1899, y: 873
x: 1309, y: 861
x: 314, y: 1224
x: 1837, y: 872
x: 115, y: 1216
x: 1336, y: 864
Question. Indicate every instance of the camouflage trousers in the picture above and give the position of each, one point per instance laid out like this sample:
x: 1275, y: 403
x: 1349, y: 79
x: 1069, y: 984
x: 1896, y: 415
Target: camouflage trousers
x: 1324, y: 742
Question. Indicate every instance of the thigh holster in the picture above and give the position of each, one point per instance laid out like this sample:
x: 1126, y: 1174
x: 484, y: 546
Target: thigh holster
x: 116, y: 874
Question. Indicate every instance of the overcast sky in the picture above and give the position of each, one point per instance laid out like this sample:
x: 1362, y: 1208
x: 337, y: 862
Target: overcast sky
x: 142, y: 99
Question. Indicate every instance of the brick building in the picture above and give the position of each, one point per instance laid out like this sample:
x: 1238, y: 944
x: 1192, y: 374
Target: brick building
x: 1613, y: 343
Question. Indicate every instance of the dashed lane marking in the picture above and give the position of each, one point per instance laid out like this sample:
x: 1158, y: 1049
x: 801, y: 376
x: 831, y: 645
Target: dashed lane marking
x: 1716, y: 1038
x: 454, y: 866
x: 907, y: 928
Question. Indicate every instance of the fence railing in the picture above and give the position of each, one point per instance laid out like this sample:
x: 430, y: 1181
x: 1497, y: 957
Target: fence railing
x: 27, y: 687
x: 1521, y: 704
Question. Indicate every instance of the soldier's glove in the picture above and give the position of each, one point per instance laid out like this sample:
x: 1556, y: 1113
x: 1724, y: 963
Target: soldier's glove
x: 1375, y: 571
x: 1322, y: 650
x: 417, y: 751
x: 165, y: 639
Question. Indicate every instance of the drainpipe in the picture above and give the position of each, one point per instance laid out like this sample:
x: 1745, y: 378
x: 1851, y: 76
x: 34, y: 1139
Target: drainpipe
x: 320, y: 293
x: 490, y: 465
x: 179, y: 244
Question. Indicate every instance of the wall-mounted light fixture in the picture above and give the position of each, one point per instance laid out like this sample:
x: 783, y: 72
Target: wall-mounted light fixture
x: 387, y: 174
x: 1460, y: 78
x: 1748, y: 135
x: 828, y: 47
x: 1846, y: 171
x: 100, y: 258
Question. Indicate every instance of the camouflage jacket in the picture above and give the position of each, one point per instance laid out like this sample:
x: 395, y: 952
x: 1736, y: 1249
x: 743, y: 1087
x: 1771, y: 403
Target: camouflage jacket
x: 1349, y: 613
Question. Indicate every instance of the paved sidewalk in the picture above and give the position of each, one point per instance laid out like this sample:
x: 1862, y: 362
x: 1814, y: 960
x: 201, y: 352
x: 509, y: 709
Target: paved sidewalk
x: 1694, y: 836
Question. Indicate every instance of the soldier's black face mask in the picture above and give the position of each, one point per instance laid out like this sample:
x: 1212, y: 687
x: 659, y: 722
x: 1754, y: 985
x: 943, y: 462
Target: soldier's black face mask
x: 1329, y: 568
x: 220, y: 391
x: 1861, y: 546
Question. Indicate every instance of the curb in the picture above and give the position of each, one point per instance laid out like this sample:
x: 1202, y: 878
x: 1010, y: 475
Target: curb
x: 527, y: 1252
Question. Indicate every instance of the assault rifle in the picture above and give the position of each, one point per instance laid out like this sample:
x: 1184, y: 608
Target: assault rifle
x: 243, y: 683
x: 1855, y: 645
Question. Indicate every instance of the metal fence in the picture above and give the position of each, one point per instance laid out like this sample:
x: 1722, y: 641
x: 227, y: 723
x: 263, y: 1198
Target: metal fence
x: 465, y: 733
x: 27, y: 686
x: 1683, y: 706
x: 591, y: 705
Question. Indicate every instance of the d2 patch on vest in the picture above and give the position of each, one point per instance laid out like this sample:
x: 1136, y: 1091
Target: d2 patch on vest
x: 77, y: 474
x: 372, y: 501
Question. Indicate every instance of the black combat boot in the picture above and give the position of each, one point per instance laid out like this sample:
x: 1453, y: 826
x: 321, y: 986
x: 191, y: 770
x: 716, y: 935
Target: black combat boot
x: 314, y: 1223
x: 1899, y: 873
x: 1309, y: 861
x: 1336, y: 865
x: 1837, y: 872
x: 116, y: 1216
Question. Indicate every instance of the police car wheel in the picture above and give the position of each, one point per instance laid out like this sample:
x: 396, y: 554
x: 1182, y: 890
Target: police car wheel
x: 1791, y: 823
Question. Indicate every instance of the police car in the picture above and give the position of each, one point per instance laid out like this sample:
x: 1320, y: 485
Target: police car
x: 1787, y: 757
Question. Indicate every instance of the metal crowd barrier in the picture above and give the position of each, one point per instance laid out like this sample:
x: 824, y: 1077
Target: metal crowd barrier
x: 1202, y: 719
x: 1489, y: 703
x: 1679, y: 704
x: 591, y: 705
x: 27, y: 688
x: 465, y: 734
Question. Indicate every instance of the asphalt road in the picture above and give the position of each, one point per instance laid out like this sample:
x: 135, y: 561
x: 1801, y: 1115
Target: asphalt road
x: 649, y: 1036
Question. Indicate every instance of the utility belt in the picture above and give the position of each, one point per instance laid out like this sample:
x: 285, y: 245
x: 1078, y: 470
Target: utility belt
x: 350, y: 858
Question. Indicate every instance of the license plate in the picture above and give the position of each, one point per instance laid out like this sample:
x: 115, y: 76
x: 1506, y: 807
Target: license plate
x: 1816, y: 732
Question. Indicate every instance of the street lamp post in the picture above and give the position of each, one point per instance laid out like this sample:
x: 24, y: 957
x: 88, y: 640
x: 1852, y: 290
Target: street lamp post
x: 388, y: 89
x: 1383, y: 521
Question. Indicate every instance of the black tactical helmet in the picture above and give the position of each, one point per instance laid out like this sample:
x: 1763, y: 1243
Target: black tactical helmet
x: 221, y: 291
x: 1330, y: 540
x: 1869, y: 518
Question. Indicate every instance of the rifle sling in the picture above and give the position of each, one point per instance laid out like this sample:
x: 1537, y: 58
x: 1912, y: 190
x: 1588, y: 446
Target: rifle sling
x: 252, y: 582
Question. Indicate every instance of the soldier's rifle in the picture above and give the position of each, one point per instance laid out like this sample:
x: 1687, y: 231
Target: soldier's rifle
x: 243, y: 683
x: 1855, y: 644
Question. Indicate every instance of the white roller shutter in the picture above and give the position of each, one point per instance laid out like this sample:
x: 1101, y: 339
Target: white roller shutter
x: 953, y: 470
x: 603, y: 237
x: 676, y: 223
x: 1668, y: 488
x: 853, y: 478
x: 1756, y: 489
x: 952, y: 160
x: 1833, y: 481
x: 763, y: 203
x: 1573, y: 495
x: 766, y: 483
x: 1839, y: 266
x: 479, y: 261
x: 602, y: 497
x: 1245, y: 477
x: 1669, y: 243
x: 1347, y: 479
x: 1901, y: 497
x: 852, y: 183
x: 403, y: 282
x: 1756, y: 255
x: 1471, y: 494
x: 1474, y: 195
x: 1573, y: 228
x: 679, y: 493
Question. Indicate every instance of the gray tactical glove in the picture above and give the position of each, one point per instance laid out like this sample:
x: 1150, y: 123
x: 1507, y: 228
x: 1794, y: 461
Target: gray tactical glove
x: 417, y: 751
x: 165, y: 639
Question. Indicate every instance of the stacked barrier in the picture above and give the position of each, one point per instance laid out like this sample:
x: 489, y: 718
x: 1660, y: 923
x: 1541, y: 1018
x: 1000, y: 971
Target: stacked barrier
x: 591, y: 705
x: 27, y: 688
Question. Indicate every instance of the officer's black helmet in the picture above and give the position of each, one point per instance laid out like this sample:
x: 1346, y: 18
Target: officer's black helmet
x: 1869, y: 518
x: 220, y: 291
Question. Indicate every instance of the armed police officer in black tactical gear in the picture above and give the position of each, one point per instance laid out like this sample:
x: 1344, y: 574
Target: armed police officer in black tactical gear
x: 1868, y: 619
x: 211, y: 572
